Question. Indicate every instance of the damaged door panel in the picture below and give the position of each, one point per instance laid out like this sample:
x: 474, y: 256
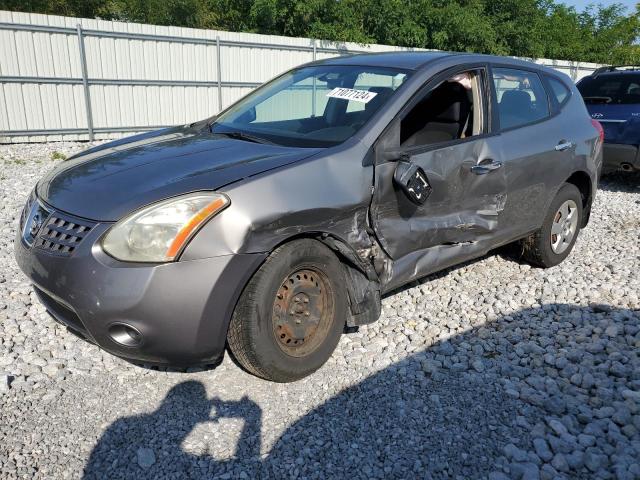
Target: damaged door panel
x: 439, y: 177
x: 462, y: 208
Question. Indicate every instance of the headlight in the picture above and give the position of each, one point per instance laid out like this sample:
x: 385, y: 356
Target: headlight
x: 158, y: 233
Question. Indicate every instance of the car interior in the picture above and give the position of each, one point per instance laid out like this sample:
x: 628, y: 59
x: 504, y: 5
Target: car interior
x: 521, y: 96
x: 451, y: 111
x: 332, y: 119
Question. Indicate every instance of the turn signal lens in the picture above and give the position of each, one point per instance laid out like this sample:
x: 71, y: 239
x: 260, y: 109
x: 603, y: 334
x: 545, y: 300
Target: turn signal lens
x: 159, y: 232
x: 192, y: 225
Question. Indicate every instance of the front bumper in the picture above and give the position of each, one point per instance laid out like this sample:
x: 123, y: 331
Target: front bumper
x: 617, y: 154
x: 181, y: 309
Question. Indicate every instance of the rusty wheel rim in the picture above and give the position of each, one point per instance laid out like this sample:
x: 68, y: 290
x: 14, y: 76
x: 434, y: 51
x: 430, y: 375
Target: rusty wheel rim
x: 302, y: 312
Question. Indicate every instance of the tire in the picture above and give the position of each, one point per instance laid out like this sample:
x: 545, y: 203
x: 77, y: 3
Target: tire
x: 272, y: 333
x: 553, y: 242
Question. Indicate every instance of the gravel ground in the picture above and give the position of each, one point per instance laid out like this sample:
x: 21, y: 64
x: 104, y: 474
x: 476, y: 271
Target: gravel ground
x: 490, y: 370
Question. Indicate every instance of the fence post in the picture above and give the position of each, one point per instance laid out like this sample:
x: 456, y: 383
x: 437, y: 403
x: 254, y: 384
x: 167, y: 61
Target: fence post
x: 313, y: 99
x: 85, y: 82
x: 219, y: 73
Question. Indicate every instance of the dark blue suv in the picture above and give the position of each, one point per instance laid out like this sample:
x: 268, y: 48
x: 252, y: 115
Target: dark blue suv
x: 612, y: 96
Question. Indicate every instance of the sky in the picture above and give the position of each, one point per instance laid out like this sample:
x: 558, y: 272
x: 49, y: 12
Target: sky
x: 580, y: 4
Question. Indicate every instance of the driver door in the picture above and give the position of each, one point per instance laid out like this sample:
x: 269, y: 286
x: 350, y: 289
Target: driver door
x: 448, y: 142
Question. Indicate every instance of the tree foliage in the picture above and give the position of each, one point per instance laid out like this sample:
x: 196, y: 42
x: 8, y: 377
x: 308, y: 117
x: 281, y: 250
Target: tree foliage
x: 527, y: 28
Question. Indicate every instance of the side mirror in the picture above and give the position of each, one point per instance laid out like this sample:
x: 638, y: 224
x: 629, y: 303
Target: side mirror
x: 413, y: 181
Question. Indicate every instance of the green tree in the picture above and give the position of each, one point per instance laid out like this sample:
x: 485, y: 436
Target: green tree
x: 528, y: 28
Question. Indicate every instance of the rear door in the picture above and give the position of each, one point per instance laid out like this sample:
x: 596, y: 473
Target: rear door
x: 536, y: 145
x: 462, y: 163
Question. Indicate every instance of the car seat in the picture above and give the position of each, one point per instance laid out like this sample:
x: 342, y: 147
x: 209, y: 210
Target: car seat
x: 441, y: 117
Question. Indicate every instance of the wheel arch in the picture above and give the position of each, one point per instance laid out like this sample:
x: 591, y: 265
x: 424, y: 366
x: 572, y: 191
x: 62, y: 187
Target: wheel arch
x: 584, y: 184
x: 361, y: 280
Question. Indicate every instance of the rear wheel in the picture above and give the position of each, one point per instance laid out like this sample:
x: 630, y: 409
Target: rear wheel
x: 553, y: 242
x: 290, y: 315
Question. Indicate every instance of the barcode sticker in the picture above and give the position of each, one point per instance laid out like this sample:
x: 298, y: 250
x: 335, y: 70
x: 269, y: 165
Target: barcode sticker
x: 361, y: 96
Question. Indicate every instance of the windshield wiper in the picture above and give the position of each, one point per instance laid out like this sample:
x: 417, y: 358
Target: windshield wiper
x: 244, y: 136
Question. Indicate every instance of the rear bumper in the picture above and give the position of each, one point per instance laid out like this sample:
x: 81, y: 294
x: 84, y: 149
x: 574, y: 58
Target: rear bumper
x: 180, y: 309
x: 617, y: 154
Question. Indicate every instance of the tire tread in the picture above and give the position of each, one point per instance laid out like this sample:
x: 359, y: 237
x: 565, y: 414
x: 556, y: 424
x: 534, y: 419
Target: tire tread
x: 533, y: 246
x: 242, y: 336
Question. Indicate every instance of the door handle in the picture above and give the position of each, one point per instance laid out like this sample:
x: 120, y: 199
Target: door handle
x: 485, y: 167
x: 563, y: 145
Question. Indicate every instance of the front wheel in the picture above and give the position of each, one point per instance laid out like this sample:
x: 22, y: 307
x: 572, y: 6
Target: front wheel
x: 553, y: 242
x: 290, y: 315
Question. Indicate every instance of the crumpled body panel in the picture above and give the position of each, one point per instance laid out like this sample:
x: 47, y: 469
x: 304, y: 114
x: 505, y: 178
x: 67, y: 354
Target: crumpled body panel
x: 463, y: 207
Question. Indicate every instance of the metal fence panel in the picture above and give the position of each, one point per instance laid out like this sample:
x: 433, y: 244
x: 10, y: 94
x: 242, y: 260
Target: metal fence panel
x: 64, y: 78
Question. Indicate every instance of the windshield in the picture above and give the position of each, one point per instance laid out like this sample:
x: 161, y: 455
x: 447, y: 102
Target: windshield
x: 317, y: 106
x: 622, y: 88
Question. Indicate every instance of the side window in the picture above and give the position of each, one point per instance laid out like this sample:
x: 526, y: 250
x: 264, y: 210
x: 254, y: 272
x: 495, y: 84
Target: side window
x: 633, y: 93
x: 521, y: 97
x: 453, y: 110
x: 559, y: 90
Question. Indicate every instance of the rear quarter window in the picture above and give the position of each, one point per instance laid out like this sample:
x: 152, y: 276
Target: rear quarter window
x: 559, y: 90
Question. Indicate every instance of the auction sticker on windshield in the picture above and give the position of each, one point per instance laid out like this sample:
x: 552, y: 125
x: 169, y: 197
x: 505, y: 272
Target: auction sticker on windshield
x: 362, y: 96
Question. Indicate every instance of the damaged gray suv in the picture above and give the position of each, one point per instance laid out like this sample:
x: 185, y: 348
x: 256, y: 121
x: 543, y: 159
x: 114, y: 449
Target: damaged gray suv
x: 277, y: 225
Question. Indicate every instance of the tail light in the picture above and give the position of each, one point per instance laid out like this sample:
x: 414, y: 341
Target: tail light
x: 596, y: 124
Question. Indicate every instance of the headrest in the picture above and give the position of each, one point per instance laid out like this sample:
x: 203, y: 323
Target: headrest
x: 516, y: 100
x: 448, y: 102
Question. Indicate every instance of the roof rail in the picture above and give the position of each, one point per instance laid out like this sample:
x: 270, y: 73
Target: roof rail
x: 614, y: 68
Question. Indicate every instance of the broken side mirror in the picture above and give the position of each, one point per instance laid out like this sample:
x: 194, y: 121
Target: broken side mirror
x: 413, y: 181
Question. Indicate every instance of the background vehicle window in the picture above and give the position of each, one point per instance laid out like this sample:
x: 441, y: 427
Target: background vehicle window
x: 620, y: 88
x: 521, y: 97
x: 451, y: 111
x: 559, y: 90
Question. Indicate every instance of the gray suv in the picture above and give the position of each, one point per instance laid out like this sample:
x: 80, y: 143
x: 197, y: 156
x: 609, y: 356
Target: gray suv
x: 276, y: 226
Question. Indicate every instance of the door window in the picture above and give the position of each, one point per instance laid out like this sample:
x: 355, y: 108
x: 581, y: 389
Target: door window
x: 451, y: 111
x: 521, y: 97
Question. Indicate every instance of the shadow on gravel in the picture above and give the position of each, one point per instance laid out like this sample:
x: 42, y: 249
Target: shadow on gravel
x: 445, y: 412
x: 627, y: 182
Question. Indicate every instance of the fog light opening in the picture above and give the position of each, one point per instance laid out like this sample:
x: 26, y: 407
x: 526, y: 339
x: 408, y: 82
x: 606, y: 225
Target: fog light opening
x: 125, y: 335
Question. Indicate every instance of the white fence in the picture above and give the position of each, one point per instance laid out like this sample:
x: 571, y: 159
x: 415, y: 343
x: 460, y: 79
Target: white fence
x: 64, y: 78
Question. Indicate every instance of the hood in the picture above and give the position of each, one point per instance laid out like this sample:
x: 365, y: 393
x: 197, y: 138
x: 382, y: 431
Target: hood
x: 108, y: 182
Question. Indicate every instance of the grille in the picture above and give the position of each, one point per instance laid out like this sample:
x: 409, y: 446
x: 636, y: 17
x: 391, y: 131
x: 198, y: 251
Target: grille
x: 62, y: 236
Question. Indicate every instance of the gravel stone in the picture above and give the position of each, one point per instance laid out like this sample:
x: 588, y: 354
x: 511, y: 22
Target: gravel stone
x: 542, y: 449
x: 146, y: 458
x: 560, y: 463
x: 514, y: 453
x: 4, y: 382
x: 492, y: 369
